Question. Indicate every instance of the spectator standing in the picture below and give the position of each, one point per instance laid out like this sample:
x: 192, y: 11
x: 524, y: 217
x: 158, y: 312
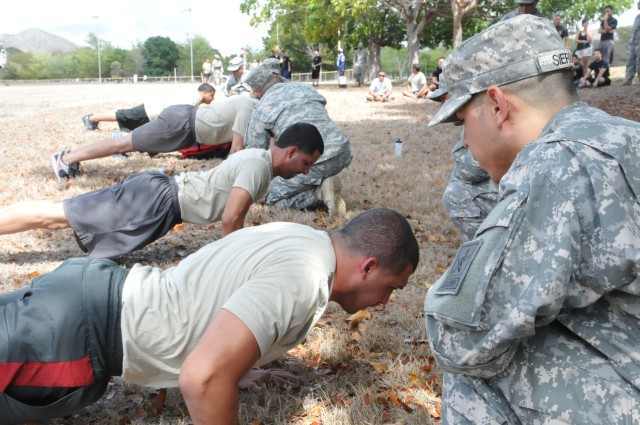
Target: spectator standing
x: 285, y: 68
x: 216, y: 67
x: 380, y: 89
x: 633, y: 52
x: 562, y: 30
x: 360, y: 64
x: 341, y: 64
x: 607, y: 30
x: 206, y: 71
x: 584, y: 44
x: 538, y: 319
x: 316, y: 68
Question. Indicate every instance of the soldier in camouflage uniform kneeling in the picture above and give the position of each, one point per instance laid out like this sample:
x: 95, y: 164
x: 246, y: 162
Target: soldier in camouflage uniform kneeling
x: 537, y: 321
x: 283, y: 103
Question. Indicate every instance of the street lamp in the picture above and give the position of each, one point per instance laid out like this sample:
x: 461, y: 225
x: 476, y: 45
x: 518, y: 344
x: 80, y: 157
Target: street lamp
x: 190, y: 40
x: 97, y: 18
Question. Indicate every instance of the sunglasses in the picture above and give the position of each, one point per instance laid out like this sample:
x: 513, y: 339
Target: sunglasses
x: 381, y: 75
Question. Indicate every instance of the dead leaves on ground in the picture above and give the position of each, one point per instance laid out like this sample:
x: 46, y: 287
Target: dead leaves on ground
x: 421, y: 385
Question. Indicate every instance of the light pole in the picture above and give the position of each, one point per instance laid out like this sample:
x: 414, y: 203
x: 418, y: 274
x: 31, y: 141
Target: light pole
x: 97, y: 18
x: 190, y: 41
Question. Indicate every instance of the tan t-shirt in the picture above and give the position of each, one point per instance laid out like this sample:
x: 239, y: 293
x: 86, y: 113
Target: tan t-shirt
x: 203, y: 196
x: 153, y: 107
x: 215, y: 123
x: 276, y: 278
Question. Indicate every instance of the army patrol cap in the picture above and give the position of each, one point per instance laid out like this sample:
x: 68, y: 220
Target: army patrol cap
x: 235, y: 64
x: 506, y: 52
x: 263, y: 73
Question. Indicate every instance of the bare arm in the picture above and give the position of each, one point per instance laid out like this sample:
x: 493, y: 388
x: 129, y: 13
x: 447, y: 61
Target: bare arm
x: 236, y: 209
x: 211, y: 374
x: 30, y: 215
x: 237, y: 143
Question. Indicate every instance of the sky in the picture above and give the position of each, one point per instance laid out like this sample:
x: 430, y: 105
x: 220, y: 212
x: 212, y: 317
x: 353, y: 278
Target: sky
x: 125, y: 22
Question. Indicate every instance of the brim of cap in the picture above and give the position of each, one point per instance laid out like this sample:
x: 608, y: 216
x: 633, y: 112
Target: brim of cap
x: 233, y: 68
x: 436, y: 95
x: 448, y: 109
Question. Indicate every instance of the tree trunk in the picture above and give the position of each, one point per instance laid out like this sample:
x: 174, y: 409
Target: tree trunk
x: 459, y: 9
x: 374, y: 60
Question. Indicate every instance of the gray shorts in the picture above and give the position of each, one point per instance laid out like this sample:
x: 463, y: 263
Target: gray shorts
x: 61, y: 340
x: 124, y: 217
x: 172, y: 130
x: 130, y: 119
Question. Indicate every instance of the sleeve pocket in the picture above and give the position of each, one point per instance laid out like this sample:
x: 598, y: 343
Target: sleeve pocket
x: 456, y: 299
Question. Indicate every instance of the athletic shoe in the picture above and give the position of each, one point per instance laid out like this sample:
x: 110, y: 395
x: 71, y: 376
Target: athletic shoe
x: 64, y: 170
x: 329, y: 192
x: 88, y: 123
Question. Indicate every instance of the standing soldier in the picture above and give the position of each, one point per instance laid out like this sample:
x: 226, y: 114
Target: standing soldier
x: 360, y: 64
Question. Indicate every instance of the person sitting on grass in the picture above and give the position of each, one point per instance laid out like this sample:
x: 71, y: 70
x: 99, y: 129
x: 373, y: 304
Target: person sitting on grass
x: 416, y: 84
x: 598, y: 73
x: 177, y: 127
x: 380, y: 89
x: 130, y: 215
x: 203, y: 325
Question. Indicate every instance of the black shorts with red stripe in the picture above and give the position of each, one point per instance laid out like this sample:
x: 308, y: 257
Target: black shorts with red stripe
x: 60, y: 340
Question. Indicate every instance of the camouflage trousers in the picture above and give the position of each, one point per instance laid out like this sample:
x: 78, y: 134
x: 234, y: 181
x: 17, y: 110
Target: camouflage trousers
x: 300, y: 191
x: 468, y: 204
x: 633, y: 61
x: 359, y: 73
x: 554, y: 378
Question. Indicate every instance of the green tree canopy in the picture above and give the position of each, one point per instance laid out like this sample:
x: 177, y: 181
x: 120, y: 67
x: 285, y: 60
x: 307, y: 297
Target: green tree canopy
x: 161, y: 55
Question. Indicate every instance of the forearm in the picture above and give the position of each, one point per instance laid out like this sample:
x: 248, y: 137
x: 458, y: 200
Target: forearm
x: 230, y: 225
x: 215, y: 402
x: 30, y: 215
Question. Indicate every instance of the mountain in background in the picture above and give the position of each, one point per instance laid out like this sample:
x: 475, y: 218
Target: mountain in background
x: 37, y: 41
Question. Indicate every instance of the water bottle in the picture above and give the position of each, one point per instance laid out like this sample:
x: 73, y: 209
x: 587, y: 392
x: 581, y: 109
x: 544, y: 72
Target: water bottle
x: 398, y: 148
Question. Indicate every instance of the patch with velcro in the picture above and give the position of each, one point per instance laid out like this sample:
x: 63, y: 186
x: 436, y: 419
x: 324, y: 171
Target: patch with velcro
x: 459, y: 267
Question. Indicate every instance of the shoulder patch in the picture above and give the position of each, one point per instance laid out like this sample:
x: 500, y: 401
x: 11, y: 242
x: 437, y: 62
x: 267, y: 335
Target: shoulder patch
x: 457, y: 270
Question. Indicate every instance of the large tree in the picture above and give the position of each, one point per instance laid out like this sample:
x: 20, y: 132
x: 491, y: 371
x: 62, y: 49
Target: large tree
x: 331, y: 23
x: 161, y: 55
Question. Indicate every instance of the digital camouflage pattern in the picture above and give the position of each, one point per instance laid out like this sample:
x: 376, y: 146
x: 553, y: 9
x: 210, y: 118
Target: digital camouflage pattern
x: 506, y: 52
x: 470, y: 194
x: 263, y: 73
x: 633, y: 50
x: 360, y: 64
x: 538, y: 318
x: 285, y: 104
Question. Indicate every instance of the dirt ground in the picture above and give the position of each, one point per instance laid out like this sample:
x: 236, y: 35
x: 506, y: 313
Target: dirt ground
x: 37, y: 120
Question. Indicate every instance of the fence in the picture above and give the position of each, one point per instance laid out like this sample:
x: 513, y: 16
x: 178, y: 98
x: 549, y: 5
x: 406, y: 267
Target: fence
x: 303, y: 77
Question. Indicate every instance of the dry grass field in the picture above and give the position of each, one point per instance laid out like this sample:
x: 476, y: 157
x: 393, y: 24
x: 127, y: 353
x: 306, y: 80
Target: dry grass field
x: 371, y: 369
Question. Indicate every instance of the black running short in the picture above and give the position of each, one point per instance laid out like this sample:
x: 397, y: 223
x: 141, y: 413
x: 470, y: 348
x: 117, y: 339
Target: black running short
x: 130, y: 119
x: 60, y: 340
x: 124, y: 217
x: 172, y: 130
